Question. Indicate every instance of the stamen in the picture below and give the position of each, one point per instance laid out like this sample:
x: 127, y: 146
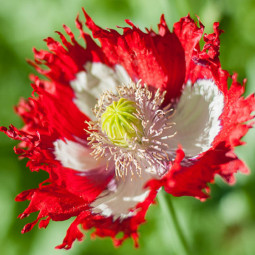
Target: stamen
x: 130, y: 130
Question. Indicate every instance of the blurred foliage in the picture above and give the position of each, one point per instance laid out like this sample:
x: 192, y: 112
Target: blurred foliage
x: 224, y: 224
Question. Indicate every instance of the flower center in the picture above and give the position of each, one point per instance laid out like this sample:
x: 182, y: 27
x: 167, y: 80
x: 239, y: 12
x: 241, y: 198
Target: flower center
x: 132, y: 130
x: 120, y: 122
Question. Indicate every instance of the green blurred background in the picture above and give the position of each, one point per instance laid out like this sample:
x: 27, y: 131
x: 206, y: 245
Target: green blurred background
x: 225, y: 224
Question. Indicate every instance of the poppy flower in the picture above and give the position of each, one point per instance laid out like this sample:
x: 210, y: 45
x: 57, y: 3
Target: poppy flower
x: 115, y: 121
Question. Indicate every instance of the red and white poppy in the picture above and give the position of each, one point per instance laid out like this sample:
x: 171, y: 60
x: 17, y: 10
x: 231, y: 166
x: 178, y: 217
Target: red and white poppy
x: 185, y: 123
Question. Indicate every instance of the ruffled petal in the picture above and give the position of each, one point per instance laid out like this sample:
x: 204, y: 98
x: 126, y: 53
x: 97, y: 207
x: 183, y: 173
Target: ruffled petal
x: 91, y: 83
x: 121, y: 197
x: 52, y: 202
x: 107, y: 226
x: 57, y: 204
x: 191, y: 177
x: 237, y: 110
x: 157, y: 59
x: 196, y: 117
x: 61, y: 114
x: 76, y: 156
x: 189, y: 35
x: 64, y: 62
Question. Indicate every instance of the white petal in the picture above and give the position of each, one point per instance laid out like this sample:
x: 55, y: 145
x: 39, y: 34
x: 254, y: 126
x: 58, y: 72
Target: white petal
x: 75, y: 156
x: 197, y: 117
x: 89, y: 85
x: 121, y: 196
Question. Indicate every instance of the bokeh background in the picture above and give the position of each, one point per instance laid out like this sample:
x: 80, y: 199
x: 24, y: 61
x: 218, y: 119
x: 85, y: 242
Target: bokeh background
x: 224, y: 224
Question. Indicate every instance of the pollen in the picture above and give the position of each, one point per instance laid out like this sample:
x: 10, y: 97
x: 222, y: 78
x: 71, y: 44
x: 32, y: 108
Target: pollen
x: 121, y: 123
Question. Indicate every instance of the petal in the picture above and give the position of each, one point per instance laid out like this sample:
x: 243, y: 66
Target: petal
x: 76, y: 156
x: 78, y: 171
x: 51, y: 201
x: 64, y: 62
x: 192, y: 180
x: 56, y: 203
x: 189, y: 35
x: 60, y: 113
x: 196, y: 117
x: 108, y: 226
x: 35, y: 147
x: 122, y: 196
x: 56, y: 96
x: 237, y: 110
x: 119, y: 196
x: 90, y: 84
x: 157, y: 59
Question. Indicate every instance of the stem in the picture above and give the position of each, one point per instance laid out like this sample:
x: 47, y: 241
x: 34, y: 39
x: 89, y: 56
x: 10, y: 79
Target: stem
x: 177, y: 236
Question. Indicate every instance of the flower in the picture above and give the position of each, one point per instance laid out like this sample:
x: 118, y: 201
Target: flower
x: 114, y: 123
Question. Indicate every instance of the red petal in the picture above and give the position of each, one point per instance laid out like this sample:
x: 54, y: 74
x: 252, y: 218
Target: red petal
x: 158, y: 59
x: 189, y: 35
x: 51, y: 201
x: 87, y: 187
x: 59, y: 111
x: 205, y: 64
x: 73, y: 233
x: 192, y: 180
x: 107, y: 227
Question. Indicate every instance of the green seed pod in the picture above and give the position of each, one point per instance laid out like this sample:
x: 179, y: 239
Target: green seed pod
x: 120, y: 124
